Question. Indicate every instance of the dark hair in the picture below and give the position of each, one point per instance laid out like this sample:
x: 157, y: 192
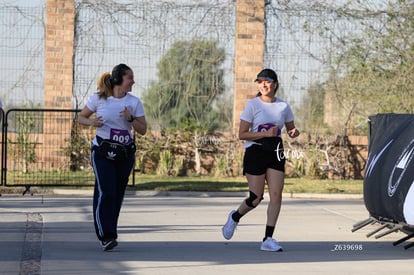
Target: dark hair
x: 117, y: 73
x: 107, y: 81
x: 268, y: 74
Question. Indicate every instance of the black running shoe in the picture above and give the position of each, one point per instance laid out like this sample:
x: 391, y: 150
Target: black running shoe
x: 109, y: 244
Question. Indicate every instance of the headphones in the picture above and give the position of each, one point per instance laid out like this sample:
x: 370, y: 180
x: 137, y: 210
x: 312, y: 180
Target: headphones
x: 117, y: 73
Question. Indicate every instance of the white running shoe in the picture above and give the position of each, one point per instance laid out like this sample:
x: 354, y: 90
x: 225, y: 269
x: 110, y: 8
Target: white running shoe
x: 270, y: 245
x: 229, y: 227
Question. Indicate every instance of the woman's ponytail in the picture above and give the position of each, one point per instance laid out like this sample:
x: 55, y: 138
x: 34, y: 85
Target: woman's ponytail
x: 104, y: 86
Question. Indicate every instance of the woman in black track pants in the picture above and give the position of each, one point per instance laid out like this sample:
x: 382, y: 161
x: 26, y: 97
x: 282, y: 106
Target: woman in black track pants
x: 117, y: 112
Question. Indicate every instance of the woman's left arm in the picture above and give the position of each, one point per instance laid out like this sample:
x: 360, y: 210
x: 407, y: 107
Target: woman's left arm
x: 140, y: 125
x: 291, y: 129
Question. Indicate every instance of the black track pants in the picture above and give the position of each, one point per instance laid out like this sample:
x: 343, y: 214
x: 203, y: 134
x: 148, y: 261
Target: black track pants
x: 111, y: 179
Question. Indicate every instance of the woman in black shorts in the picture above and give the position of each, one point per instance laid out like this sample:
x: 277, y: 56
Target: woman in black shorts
x: 260, y: 126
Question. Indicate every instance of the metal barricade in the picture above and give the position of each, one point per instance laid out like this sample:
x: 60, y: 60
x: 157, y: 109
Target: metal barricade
x: 45, y: 147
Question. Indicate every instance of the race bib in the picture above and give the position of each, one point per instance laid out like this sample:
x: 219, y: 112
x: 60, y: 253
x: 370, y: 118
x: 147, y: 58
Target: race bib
x: 265, y: 127
x: 120, y: 136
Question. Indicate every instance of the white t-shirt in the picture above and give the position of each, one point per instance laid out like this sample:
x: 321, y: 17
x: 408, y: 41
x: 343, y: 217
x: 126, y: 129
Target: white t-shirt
x: 263, y: 115
x: 115, y: 126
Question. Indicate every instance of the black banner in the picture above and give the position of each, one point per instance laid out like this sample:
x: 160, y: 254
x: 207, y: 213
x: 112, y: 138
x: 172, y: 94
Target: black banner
x: 389, y: 175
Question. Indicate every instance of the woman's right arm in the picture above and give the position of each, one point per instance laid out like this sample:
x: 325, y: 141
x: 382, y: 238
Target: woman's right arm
x: 84, y: 118
x: 245, y: 134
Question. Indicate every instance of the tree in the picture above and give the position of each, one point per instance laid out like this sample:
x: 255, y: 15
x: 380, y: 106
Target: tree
x: 190, y: 80
x: 313, y: 109
x: 373, y: 72
x: 366, y: 55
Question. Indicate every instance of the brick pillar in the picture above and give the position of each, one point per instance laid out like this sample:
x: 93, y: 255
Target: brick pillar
x: 249, y: 52
x: 58, y: 82
x: 60, y: 30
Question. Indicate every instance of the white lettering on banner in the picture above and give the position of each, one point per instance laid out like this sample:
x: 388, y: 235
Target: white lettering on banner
x: 400, y: 168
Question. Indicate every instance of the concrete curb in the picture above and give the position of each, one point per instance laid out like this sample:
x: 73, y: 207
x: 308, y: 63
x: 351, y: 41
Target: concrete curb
x: 210, y: 194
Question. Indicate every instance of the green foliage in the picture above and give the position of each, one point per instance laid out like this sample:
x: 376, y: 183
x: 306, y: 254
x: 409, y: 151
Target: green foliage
x: 298, y: 168
x: 78, y: 148
x: 373, y: 73
x: 190, y: 151
x: 27, y: 125
x: 190, y: 81
x: 312, y: 110
x: 313, y: 169
x: 370, y: 68
x: 165, y: 164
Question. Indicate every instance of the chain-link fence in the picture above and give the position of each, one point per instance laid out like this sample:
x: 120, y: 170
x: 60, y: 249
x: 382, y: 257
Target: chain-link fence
x: 139, y: 35
x: 298, y: 46
x: 112, y: 32
x: 22, y: 52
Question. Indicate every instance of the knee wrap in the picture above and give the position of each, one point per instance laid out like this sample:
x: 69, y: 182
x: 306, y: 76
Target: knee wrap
x: 251, y: 198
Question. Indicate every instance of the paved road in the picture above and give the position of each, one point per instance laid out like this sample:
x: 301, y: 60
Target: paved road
x: 53, y: 234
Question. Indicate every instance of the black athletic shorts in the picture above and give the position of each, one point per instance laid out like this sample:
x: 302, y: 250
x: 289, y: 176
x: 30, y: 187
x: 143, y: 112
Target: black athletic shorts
x: 256, y: 160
